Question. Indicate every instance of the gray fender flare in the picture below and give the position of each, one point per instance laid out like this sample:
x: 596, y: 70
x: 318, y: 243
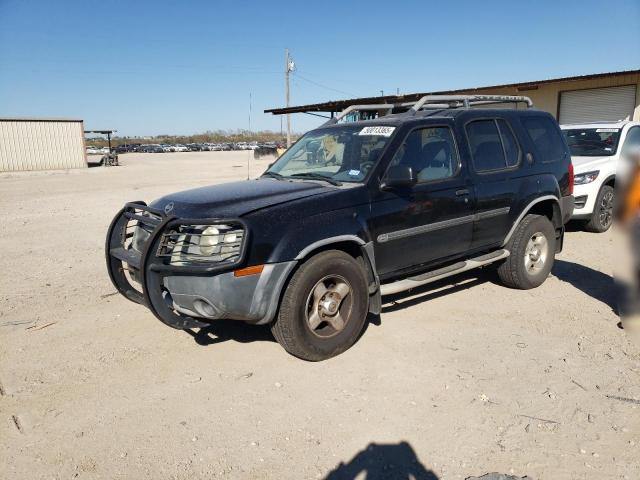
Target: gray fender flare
x: 525, y: 211
x: 375, y: 300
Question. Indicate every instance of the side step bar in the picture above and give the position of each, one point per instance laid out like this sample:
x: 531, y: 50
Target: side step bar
x: 423, y: 279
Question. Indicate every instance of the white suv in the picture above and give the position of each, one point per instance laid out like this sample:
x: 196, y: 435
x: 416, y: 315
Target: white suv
x: 596, y: 149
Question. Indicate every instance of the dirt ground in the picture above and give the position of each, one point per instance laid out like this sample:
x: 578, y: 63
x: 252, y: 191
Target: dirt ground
x: 459, y: 379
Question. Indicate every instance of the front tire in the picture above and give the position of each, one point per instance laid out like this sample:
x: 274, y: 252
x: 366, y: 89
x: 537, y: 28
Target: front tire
x: 602, y: 216
x: 323, y: 308
x: 532, y: 253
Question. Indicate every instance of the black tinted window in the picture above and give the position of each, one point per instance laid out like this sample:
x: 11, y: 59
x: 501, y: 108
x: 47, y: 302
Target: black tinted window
x: 546, y: 138
x: 486, y: 147
x: 511, y: 148
x: 430, y: 152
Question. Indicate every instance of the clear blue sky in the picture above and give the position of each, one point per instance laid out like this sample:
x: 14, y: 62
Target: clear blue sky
x: 149, y: 67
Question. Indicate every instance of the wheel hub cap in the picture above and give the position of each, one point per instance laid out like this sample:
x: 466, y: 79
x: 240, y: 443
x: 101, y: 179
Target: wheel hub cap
x: 536, y: 253
x: 329, y: 306
x: 606, y: 209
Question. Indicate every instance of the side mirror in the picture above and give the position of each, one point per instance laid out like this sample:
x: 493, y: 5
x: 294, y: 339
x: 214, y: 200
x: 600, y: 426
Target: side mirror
x: 400, y: 176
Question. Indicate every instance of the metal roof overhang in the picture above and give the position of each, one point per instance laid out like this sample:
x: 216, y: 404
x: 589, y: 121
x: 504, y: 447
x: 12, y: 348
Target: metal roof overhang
x: 339, y: 105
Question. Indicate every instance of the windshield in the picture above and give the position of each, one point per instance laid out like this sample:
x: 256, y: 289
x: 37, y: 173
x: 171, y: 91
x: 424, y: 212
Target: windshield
x: 342, y: 154
x: 592, y: 142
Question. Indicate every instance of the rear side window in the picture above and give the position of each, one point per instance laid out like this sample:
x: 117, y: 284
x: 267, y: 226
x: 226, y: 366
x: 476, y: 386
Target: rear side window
x: 546, y: 138
x: 493, y: 145
x: 511, y: 148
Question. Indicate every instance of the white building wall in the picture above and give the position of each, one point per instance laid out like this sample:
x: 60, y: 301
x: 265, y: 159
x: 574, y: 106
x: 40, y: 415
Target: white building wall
x: 41, y: 144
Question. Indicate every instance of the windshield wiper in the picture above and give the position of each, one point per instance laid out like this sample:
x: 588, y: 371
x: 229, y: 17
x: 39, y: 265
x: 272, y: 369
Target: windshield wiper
x: 317, y: 176
x: 273, y: 175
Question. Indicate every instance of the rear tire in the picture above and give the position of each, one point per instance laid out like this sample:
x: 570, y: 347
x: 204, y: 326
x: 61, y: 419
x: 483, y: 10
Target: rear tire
x: 602, y: 217
x: 532, y: 250
x: 324, y: 307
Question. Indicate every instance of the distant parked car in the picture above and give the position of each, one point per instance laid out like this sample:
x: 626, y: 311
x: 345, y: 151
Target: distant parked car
x: 91, y: 150
x: 124, y: 148
x: 180, y: 148
x: 154, y: 149
x: 596, y: 149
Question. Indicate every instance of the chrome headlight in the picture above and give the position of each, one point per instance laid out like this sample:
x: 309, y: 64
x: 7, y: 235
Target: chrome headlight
x: 584, y: 178
x: 209, y: 238
x: 202, y: 244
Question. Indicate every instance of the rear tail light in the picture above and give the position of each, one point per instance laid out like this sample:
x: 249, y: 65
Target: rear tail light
x: 571, y: 178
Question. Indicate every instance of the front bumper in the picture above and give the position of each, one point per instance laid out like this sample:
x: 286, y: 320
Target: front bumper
x: 183, y: 296
x: 587, y: 194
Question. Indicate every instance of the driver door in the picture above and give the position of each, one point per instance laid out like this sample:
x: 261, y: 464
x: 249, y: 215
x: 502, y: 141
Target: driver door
x: 431, y: 220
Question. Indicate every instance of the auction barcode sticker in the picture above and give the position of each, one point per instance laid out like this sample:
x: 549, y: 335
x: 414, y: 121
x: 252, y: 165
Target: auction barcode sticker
x: 380, y: 131
x: 606, y: 130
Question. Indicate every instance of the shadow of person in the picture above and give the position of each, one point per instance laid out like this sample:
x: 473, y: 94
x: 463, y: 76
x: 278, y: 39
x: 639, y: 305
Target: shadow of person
x: 383, y: 461
x: 593, y: 283
x: 231, y: 330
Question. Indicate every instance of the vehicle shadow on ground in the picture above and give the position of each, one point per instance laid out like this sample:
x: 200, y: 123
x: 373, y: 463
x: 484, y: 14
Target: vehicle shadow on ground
x: 575, y: 226
x: 231, y: 330
x: 383, y: 461
x: 593, y: 283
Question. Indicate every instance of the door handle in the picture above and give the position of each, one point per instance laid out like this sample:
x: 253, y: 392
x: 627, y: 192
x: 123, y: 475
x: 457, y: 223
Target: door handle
x: 462, y: 192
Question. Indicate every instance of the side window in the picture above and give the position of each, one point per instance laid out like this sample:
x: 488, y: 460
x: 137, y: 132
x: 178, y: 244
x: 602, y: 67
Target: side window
x: 511, y: 147
x: 632, y: 142
x: 486, y: 147
x: 546, y: 138
x: 430, y: 152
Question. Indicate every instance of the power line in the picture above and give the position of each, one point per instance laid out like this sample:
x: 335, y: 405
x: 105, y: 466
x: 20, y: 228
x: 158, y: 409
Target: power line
x: 297, y: 74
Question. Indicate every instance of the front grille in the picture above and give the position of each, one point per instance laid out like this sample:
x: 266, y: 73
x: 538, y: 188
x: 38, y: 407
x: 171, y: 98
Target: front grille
x: 202, y: 244
x: 580, y: 201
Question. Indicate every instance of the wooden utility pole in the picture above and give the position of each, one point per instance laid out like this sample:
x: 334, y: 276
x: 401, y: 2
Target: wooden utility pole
x: 288, y: 68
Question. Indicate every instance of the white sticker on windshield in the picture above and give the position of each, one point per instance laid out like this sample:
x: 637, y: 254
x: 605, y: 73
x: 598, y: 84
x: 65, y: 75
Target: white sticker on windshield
x: 606, y: 130
x: 379, y: 131
x: 354, y: 173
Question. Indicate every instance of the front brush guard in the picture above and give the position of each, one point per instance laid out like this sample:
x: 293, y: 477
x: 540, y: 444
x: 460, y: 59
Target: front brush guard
x: 151, y: 279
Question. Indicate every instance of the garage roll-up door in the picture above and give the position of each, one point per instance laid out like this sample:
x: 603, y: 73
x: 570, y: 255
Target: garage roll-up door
x: 597, y: 104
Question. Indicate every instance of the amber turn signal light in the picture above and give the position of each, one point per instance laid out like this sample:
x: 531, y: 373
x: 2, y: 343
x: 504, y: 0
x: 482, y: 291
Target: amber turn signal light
x: 244, y: 272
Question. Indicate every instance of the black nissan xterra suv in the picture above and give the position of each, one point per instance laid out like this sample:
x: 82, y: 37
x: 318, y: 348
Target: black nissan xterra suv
x: 351, y: 212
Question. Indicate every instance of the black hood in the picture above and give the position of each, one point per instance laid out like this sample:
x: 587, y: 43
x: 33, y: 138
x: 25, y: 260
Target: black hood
x: 235, y: 199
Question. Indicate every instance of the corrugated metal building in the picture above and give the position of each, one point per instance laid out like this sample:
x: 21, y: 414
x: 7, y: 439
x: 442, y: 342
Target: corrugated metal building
x: 586, y: 98
x: 41, y: 144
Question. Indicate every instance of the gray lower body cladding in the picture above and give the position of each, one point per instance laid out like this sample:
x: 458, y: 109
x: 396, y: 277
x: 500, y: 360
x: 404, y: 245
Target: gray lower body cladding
x: 567, y: 205
x: 251, y: 298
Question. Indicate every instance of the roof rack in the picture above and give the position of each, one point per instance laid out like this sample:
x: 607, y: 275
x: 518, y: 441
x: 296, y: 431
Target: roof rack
x: 465, y: 101
x: 360, y: 108
x: 434, y: 101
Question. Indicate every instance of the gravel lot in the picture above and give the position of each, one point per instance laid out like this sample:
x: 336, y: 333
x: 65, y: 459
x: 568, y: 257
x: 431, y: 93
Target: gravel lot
x: 463, y: 378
